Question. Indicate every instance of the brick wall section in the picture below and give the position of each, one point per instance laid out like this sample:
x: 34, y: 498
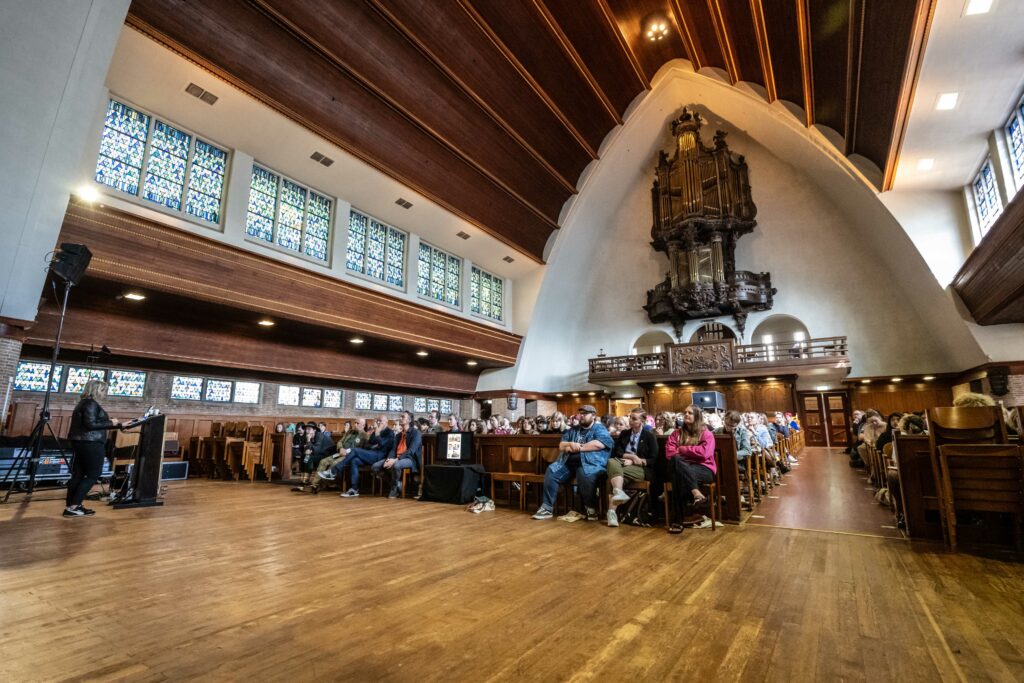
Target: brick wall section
x: 10, y: 351
x: 158, y: 393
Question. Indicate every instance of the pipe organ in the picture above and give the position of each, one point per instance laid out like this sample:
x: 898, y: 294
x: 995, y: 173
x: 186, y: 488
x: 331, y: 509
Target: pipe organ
x: 702, y: 205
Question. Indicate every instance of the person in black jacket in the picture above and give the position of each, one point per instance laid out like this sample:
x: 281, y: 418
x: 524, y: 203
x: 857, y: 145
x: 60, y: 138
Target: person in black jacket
x: 379, y: 445
x: 88, y: 435
x: 318, y: 445
x: 406, y: 453
x: 632, y: 458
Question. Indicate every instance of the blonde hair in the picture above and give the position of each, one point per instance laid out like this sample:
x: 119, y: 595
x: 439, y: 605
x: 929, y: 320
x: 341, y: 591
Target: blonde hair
x: 972, y: 400
x: 95, y: 389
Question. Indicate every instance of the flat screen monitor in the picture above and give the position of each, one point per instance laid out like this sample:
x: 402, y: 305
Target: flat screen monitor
x: 454, y: 448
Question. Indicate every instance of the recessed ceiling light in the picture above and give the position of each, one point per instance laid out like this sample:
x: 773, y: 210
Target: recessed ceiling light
x: 821, y: 387
x: 87, y: 193
x: 266, y: 323
x: 977, y: 7
x: 660, y: 384
x: 627, y: 396
x: 685, y: 384
x: 558, y: 395
x: 770, y: 379
x: 471, y: 363
x: 947, y: 101
x: 575, y: 393
x: 356, y: 340
x: 925, y: 164
x: 741, y: 380
x: 897, y: 379
x: 712, y: 381
x: 929, y: 378
x: 865, y: 381
x: 135, y: 296
x: 422, y: 354
x: 591, y: 394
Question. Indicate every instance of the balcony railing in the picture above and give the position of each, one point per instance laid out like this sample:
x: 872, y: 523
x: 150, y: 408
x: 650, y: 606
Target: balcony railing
x: 705, y: 358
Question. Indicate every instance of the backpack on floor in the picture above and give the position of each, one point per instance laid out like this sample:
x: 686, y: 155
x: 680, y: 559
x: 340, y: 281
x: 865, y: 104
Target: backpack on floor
x: 635, y: 510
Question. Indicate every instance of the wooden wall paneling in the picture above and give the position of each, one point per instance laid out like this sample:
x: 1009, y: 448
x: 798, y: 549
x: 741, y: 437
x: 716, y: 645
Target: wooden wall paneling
x: 783, y: 36
x: 829, y: 43
x: 742, y: 399
x: 423, y: 93
x: 903, y: 398
x: 494, y: 82
x: 301, y: 84
x: 569, y: 406
x: 917, y: 487
x: 991, y: 281
x: 134, y: 250
x: 593, y: 34
x: 521, y: 29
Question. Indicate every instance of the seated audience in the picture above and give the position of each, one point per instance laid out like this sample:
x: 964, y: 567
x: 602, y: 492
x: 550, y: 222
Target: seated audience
x: 584, y: 453
x: 542, y: 424
x: 354, y: 437
x: 856, y: 424
x: 423, y: 425
x: 664, y: 423
x: 892, y: 426
x: 504, y: 427
x: 434, y: 417
x: 732, y: 423
x: 322, y: 426
x: 406, y: 454
x: 474, y: 427
x: 557, y: 424
x: 793, y: 424
x: 632, y: 459
x: 691, y: 455
x: 453, y: 423
x: 713, y: 421
x: 873, y: 426
x: 618, y: 424
x: 972, y: 400
x: 279, y: 428
x: 377, y: 447
x: 315, y: 447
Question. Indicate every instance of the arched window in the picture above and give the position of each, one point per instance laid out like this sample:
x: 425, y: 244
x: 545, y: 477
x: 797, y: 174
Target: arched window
x: 712, y: 332
x: 651, y: 342
x: 782, y: 335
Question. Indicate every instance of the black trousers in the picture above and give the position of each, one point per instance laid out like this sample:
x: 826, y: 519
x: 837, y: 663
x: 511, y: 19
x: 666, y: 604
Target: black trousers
x: 686, y: 476
x: 86, y: 469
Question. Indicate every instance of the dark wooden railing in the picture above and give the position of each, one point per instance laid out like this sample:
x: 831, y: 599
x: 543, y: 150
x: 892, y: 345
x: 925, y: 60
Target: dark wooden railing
x: 719, y: 357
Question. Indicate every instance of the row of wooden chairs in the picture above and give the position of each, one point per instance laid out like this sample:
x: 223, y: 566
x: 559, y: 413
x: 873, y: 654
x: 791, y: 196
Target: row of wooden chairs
x: 233, y: 450
x: 758, y: 477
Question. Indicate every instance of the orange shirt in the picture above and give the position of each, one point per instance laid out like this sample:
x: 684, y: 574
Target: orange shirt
x: 400, y: 451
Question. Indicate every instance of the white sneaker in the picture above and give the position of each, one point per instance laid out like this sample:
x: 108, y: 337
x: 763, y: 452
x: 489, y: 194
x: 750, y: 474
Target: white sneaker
x: 351, y: 493
x: 572, y: 516
x: 325, y: 474
x: 705, y: 523
x: 619, y: 496
x: 543, y: 513
x: 613, y: 519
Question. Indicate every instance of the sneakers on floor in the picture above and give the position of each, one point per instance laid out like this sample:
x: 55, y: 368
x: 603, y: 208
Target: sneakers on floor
x: 351, y: 493
x: 572, y: 516
x: 395, y: 492
x: 704, y: 523
x: 77, y: 511
x: 326, y: 474
x: 613, y: 519
x: 591, y: 515
x: 543, y: 513
x: 619, y: 496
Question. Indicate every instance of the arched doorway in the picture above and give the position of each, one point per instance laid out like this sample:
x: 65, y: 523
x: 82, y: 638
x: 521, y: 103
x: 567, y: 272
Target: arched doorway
x: 651, y: 342
x: 712, y: 331
x: 779, y: 328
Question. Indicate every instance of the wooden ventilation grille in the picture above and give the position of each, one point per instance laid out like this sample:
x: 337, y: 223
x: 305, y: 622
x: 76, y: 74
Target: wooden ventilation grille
x: 204, y: 95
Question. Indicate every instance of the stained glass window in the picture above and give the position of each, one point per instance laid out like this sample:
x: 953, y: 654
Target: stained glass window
x: 218, y: 390
x: 375, y: 249
x: 144, y: 156
x: 419, y: 405
x: 439, y: 275
x: 363, y: 401
x: 486, y: 294
x: 986, y: 196
x: 312, y: 398
x: 76, y: 378
x: 332, y: 398
x: 1015, y: 143
x: 395, y: 403
x: 122, y: 148
x: 380, y: 401
x: 287, y: 396
x: 31, y: 376
x: 129, y: 383
x: 293, y: 216
x: 433, y: 404
x: 247, y: 392
x: 187, y: 388
x: 446, y: 406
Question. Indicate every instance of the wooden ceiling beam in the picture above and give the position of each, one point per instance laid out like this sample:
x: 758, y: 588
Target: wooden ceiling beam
x: 722, y: 35
x: 686, y: 32
x: 806, y: 63
x: 854, y: 61
x: 564, y: 42
x: 634, y: 62
x: 764, y: 48
x: 925, y: 13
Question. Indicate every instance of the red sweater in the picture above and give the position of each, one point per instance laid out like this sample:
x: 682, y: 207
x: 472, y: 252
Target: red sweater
x: 701, y: 453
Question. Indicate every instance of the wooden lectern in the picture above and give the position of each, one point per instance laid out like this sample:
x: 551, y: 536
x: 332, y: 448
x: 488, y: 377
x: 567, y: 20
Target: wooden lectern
x: 143, y: 484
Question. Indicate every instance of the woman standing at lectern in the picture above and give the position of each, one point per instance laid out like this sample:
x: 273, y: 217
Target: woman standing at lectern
x: 88, y: 435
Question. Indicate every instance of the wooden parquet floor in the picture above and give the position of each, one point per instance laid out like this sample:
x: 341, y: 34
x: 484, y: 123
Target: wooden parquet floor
x: 243, y: 582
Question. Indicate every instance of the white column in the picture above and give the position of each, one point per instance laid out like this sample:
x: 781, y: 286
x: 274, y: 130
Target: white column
x: 54, y: 58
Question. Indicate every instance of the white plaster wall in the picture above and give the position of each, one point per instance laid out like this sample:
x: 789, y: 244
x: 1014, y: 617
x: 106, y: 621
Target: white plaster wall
x: 53, y: 59
x: 937, y: 223
x: 839, y: 258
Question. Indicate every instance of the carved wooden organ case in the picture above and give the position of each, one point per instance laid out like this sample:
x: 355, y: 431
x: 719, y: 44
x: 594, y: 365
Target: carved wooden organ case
x: 702, y: 205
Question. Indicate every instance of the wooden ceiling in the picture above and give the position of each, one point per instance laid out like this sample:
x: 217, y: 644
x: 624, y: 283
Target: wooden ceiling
x: 493, y: 108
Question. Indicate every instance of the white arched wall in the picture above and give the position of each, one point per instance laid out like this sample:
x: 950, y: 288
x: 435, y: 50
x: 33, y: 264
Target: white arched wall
x: 841, y: 262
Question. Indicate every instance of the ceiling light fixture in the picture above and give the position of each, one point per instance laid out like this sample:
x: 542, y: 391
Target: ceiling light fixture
x: 655, y: 26
x: 977, y: 7
x: 685, y: 384
x: 471, y: 363
x: 660, y: 384
x: 947, y: 101
x: 821, y: 387
x: 265, y: 323
x: 575, y: 393
x: 356, y: 340
x: 558, y: 396
x: 87, y: 193
x: 422, y: 354
x: 925, y: 164
x: 865, y: 381
x: 135, y: 296
x: 770, y: 379
x: 741, y: 380
x: 897, y: 379
x: 591, y: 394
x: 712, y: 381
x: 928, y: 378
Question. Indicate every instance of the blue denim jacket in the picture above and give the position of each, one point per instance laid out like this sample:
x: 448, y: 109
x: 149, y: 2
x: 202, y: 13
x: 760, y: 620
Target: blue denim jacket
x: 592, y: 461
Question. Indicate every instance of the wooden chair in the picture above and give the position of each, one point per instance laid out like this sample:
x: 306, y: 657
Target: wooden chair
x: 982, y: 478
x: 958, y: 426
x: 520, y: 463
x: 255, y: 453
x: 709, y: 490
x: 545, y: 456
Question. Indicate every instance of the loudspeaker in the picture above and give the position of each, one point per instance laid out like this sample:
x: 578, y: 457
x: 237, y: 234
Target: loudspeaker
x: 708, y: 400
x: 70, y: 261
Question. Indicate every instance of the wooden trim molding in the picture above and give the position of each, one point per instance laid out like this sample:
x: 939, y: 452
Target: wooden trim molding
x: 692, y: 48
x: 806, y: 61
x: 722, y: 35
x: 763, y: 48
x: 627, y: 50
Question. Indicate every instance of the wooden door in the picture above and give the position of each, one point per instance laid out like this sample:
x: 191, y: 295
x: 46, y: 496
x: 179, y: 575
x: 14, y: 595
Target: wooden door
x: 812, y: 418
x: 837, y: 413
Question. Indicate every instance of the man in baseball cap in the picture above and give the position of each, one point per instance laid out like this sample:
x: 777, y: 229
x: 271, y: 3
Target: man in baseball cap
x: 584, y: 453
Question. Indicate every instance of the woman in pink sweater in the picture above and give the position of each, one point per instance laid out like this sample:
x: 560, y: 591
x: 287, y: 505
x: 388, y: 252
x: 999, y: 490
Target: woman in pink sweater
x: 691, y: 462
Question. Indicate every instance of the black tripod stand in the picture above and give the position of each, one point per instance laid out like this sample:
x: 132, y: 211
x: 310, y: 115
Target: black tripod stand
x: 69, y: 264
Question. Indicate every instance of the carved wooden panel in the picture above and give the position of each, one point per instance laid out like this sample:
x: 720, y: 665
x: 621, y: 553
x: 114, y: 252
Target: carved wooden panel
x: 692, y: 359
